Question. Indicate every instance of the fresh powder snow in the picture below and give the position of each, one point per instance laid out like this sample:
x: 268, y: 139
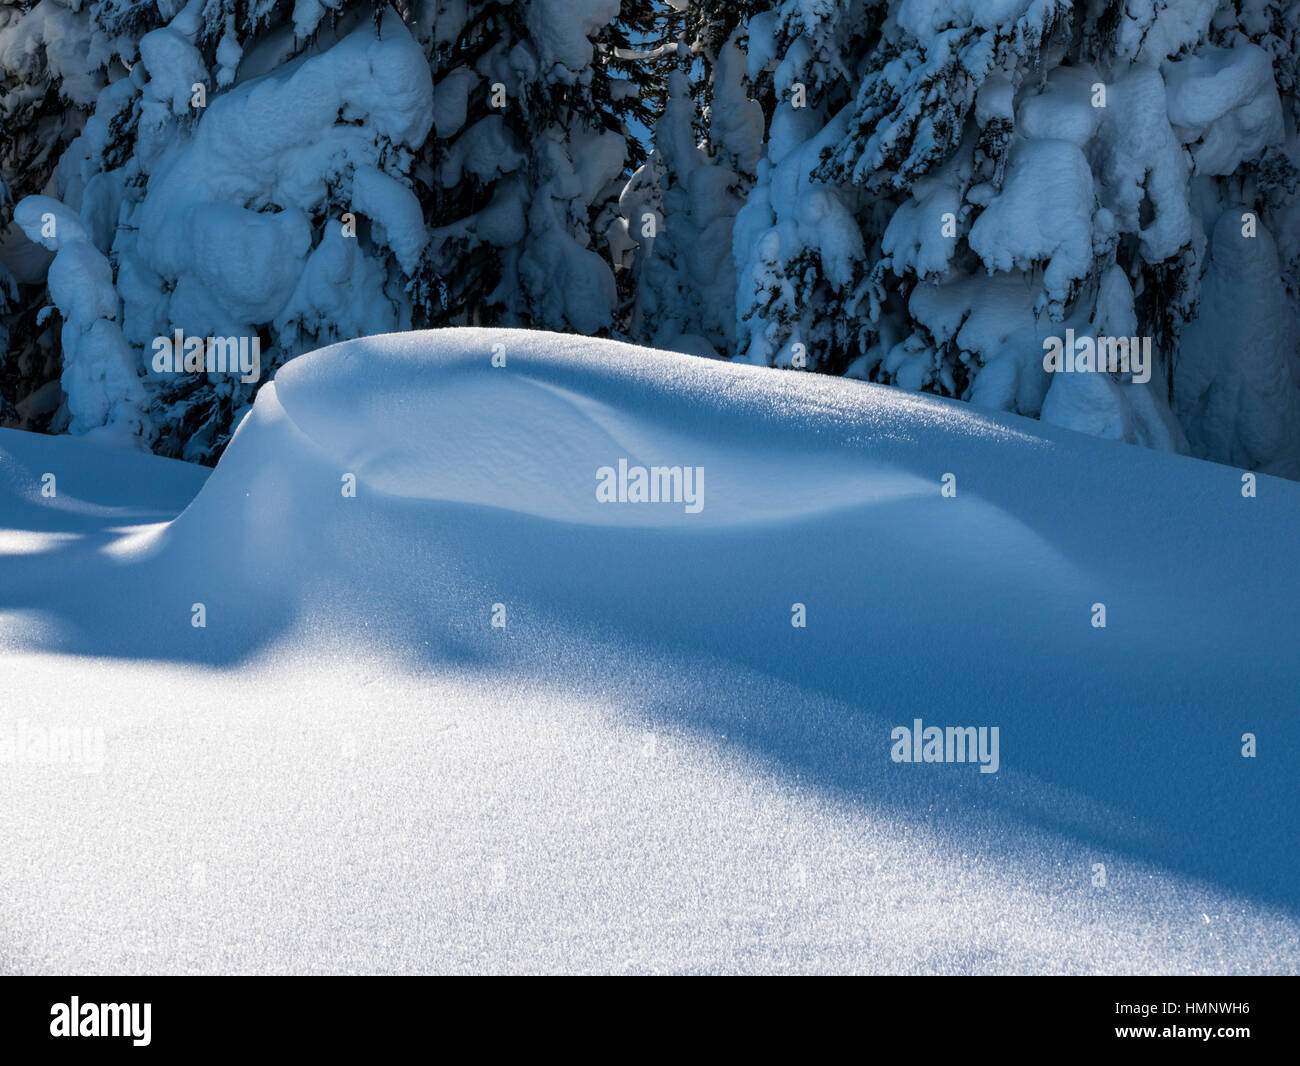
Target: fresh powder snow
x: 448, y: 711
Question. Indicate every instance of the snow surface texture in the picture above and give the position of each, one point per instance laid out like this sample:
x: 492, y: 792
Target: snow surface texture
x: 648, y: 768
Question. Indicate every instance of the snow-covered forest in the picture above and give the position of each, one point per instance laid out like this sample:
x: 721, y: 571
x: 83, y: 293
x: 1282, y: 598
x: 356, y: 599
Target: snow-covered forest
x: 918, y: 193
x: 667, y: 486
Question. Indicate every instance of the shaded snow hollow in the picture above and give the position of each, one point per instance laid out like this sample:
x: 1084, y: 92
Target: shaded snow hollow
x: 648, y: 768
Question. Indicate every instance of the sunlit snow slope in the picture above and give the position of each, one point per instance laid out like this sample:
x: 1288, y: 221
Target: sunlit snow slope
x: 648, y: 768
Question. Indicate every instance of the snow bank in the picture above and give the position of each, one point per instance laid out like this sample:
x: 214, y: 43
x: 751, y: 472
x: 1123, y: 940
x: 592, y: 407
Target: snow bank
x: 646, y: 767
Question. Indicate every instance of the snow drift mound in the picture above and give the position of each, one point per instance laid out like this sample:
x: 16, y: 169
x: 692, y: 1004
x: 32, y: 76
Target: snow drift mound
x: 811, y: 490
x: 594, y: 433
x: 431, y: 417
x: 476, y: 501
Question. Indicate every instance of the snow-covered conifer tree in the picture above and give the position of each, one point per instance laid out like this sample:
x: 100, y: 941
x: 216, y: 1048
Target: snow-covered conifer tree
x: 969, y: 180
x: 286, y: 173
x: 798, y: 243
x: 521, y: 177
x: 917, y: 192
x: 681, y: 205
x: 240, y: 170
